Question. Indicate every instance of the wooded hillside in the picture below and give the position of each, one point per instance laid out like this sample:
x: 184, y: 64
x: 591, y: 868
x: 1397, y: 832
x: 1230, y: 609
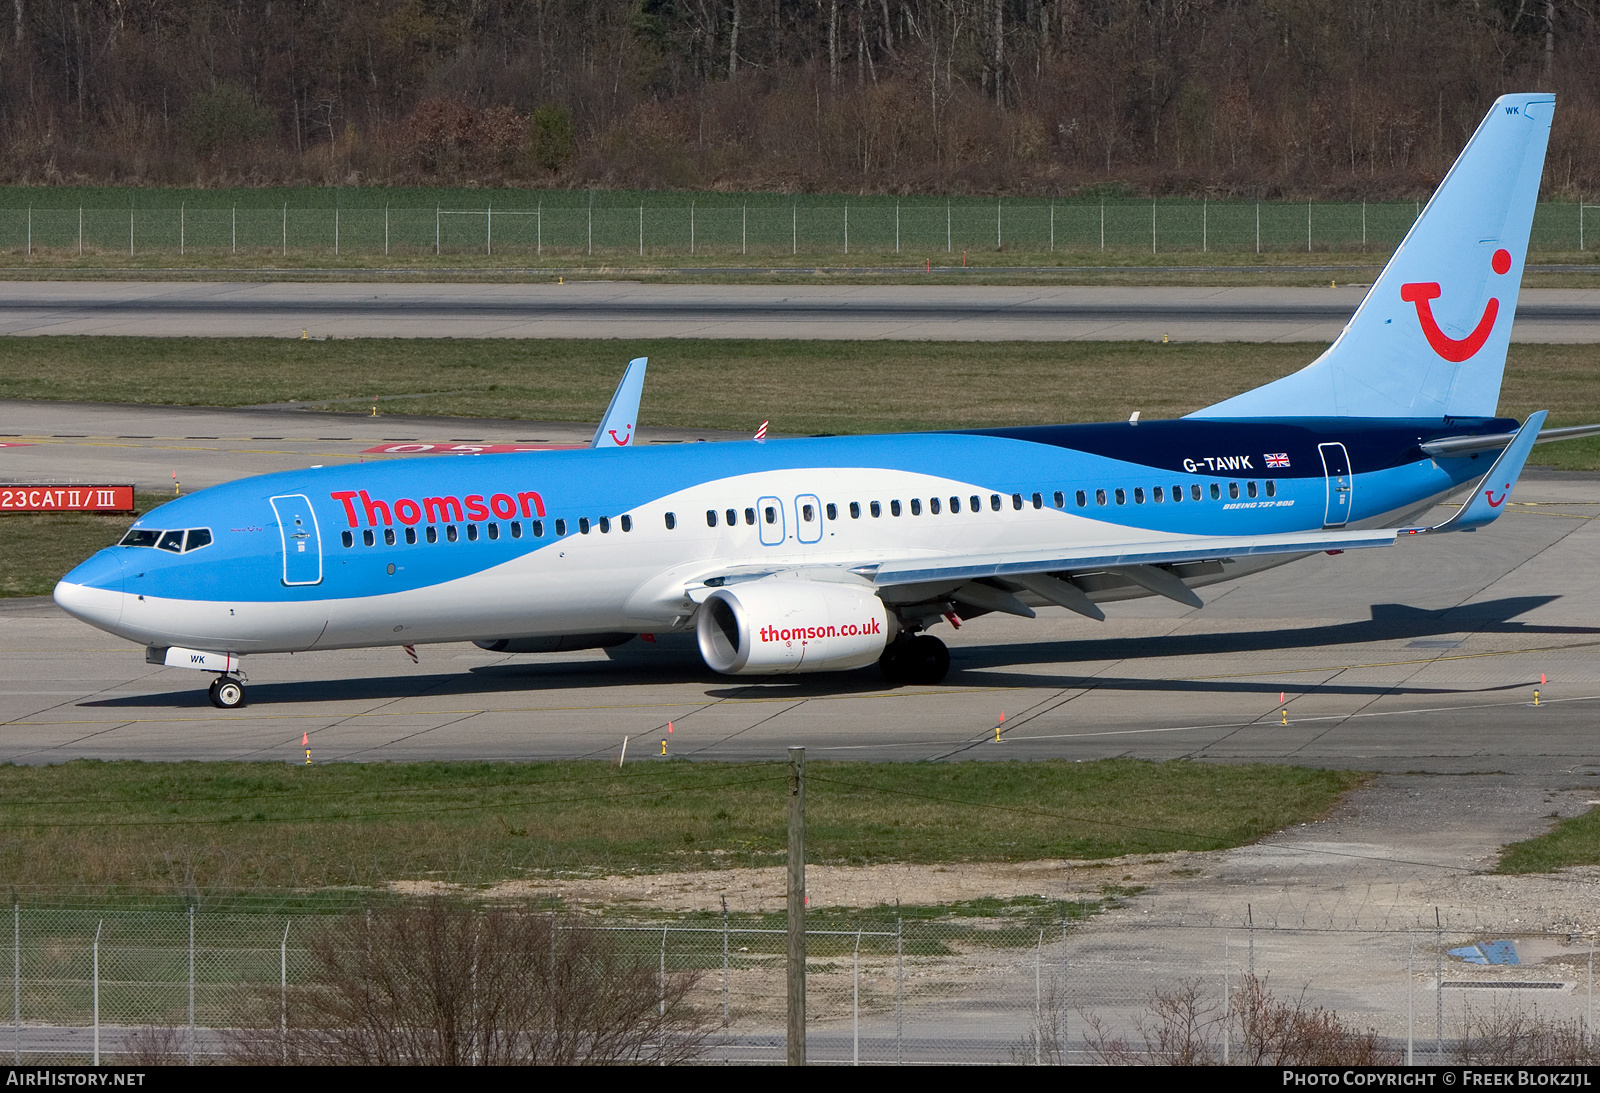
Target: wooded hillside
x: 1229, y: 97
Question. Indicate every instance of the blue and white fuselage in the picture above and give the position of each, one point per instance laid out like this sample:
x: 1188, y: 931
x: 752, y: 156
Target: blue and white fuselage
x: 832, y: 553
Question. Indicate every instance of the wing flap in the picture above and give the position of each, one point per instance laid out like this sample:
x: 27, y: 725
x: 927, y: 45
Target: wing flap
x: 1117, y: 555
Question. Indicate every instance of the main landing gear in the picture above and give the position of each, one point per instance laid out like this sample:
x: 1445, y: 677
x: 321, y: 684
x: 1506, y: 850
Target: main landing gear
x: 226, y: 693
x: 920, y: 659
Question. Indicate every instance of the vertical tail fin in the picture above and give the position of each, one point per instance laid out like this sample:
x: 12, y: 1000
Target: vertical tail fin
x: 1430, y: 338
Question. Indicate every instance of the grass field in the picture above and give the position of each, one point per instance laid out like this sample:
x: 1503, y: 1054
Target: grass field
x: 1571, y: 842
x: 803, y: 387
x: 532, y: 225
x: 148, y: 828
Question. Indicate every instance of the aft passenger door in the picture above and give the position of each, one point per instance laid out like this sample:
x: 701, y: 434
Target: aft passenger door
x: 1341, y: 484
x: 301, y: 539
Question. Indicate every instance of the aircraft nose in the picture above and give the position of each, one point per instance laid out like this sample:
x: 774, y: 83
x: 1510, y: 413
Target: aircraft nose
x: 93, y: 591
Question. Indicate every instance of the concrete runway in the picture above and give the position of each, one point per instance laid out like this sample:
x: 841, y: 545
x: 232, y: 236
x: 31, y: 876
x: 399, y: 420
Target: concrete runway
x: 621, y: 309
x: 1421, y: 656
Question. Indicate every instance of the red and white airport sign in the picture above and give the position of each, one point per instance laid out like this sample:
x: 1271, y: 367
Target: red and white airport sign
x: 73, y: 498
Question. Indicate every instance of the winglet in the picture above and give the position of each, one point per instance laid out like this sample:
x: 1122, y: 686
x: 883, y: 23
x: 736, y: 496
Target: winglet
x: 616, y: 428
x: 1493, y: 490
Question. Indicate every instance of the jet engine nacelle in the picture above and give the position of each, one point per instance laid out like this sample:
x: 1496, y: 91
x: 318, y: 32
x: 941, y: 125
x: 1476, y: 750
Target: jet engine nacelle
x: 775, y: 626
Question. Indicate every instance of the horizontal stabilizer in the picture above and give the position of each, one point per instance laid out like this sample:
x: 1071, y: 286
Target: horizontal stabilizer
x: 1485, y: 505
x: 1491, y: 442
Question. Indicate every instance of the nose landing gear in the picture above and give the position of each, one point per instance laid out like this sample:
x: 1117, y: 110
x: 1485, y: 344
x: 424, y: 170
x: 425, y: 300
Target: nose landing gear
x: 226, y: 693
x: 922, y: 659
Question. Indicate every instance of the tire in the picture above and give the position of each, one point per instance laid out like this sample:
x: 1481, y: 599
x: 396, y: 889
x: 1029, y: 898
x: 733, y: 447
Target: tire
x: 892, y: 662
x: 227, y: 693
x: 926, y: 660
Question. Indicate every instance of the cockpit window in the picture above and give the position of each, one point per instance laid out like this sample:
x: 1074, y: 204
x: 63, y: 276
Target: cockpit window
x: 179, y: 541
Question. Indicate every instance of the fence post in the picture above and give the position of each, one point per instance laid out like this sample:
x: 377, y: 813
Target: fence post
x: 796, y: 1053
x: 591, y: 223
x: 900, y: 990
x: 998, y: 245
x: 1205, y: 225
x: 283, y: 994
x: 1038, y: 999
x: 336, y: 231
x: 1102, y: 224
x: 724, y: 961
x: 386, y: 229
x: 1411, y: 996
x: 1062, y: 1031
x: 1258, y: 227
x: 435, y: 231
x: 847, y: 227
x: 947, y: 226
x: 1308, y: 226
x: 286, y: 229
x: 30, y: 231
x: 130, y: 233
x: 181, y: 219
x: 1227, y: 1005
x: 80, y: 231
x: 1580, y: 223
x: 794, y: 228
x: 1052, y: 226
x: 897, y: 227
x: 1363, y: 223
x: 641, y: 229
x: 16, y: 980
x: 97, y: 992
x: 235, y: 231
x: 1152, y: 225
x: 1438, y: 988
x: 663, y: 979
x: 538, y: 228
x: 488, y: 230
x: 855, y: 1005
x: 744, y: 229
x: 191, y: 984
x: 691, y: 227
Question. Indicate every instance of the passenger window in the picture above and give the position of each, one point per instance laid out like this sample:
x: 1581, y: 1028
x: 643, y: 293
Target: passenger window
x: 894, y: 508
x: 537, y: 527
x: 1177, y: 494
x: 833, y: 511
x: 955, y: 504
x: 1082, y: 498
x: 750, y: 516
x: 605, y: 525
x: 1038, y: 501
x: 347, y: 539
x: 875, y: 509
x: 472, y: 533
x: 916, y: 506
x: 933, y: 506
x: 450, y: 533
x: 974, y: 503
x: 1233, y: 490
x: 1016, y: 500
x: 561, y: 528
x: 388, y: 536
x: 808, y: 513
x: 1061, y: 500
x: 855, y: 510
x: 672, y: 522
x: 732, y: 516
x: 711, y: 518
x: 583, y: 525
x: 1099, y: 497
x: 1250, y: 488
x: 433, y: 534
x: 1194, y: 491
x: 173, y: 541
x: 1138, y: 495
x: 1272, y: 489
x: 494, y: 531
x: 411, y: 535
x: 1122, y: 497
x: 1216, y: 492
x: 770, y: 514
x: 1158, y: 495
x: 627, y: 523
x: 366, y: 538
x: 994, y: 502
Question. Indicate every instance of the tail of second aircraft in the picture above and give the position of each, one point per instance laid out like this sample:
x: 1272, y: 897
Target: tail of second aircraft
x: 1430, y: 339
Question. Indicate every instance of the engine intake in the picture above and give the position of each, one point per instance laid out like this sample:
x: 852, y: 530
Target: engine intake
x: 773, y: 626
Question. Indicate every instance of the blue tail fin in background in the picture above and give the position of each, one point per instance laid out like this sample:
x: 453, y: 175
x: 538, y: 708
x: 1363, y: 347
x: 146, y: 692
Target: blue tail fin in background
x: 1430, y: 338
x: 616, y: 427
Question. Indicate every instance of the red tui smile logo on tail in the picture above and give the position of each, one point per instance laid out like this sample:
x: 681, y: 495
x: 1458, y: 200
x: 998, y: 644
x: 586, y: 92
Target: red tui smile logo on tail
x: 1451, y: 349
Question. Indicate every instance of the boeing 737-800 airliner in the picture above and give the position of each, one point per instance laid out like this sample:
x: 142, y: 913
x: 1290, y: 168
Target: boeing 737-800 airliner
x: 832, y: 553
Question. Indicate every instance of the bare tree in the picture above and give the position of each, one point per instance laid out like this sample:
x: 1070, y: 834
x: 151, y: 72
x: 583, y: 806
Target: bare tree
x: 446, y: 985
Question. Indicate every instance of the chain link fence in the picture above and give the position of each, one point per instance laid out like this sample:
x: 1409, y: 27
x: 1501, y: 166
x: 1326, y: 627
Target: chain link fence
x: 659, y: 226
x: 145, y: 987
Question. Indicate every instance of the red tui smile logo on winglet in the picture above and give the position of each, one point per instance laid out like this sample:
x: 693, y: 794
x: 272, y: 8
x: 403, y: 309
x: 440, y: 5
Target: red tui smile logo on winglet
x: 1451, y: 349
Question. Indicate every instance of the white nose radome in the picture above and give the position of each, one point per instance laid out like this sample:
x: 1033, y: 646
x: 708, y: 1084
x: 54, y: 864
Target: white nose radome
x: 100, y: 607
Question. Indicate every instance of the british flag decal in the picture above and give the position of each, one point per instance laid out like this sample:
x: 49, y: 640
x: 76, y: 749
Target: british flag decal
x: 1277, y: 459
